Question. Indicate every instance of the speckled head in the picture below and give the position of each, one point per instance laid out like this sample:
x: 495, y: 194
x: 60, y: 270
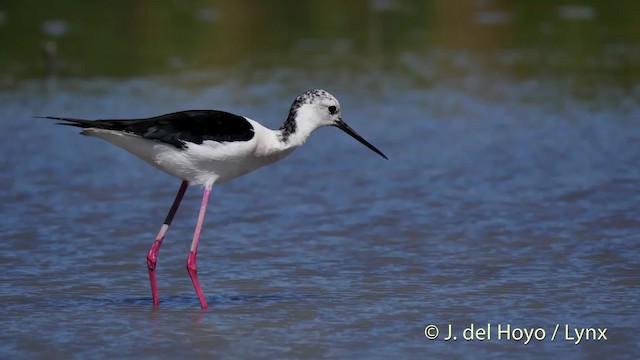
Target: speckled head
x: 314, y: 97
x: 313, y: 109
x: 317, y: 102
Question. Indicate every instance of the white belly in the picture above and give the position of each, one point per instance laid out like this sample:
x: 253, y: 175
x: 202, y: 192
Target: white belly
x: 205, y: 164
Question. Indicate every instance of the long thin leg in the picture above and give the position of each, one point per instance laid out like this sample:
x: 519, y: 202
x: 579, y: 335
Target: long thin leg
x: 191, y: 260
x: 152, y: 256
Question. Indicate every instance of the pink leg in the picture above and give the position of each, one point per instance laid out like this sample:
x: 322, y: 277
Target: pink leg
x: 191, y: 260
x: 152, y: 256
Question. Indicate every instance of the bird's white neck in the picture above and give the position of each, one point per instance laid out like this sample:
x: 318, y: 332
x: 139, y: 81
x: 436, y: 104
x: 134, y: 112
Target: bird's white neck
x: 298, y: 126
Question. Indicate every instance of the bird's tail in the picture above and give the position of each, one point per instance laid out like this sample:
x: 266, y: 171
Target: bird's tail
x: 81, y: 123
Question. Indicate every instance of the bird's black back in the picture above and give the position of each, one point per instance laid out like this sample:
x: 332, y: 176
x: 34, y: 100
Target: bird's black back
x: 177, y: 128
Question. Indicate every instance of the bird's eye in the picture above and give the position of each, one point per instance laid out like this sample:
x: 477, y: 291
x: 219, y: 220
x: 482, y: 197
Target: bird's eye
x: 332, y: 109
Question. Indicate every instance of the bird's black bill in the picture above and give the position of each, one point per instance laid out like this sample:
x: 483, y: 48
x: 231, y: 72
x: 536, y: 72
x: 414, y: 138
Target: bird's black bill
x: 344, y: 127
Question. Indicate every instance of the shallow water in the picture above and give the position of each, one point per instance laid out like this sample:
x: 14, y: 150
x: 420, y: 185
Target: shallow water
x: 498, y: 213
x: 506, y: 200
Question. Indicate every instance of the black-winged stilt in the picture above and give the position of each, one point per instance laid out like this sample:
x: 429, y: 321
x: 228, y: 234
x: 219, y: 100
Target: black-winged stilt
x: 208, y: 147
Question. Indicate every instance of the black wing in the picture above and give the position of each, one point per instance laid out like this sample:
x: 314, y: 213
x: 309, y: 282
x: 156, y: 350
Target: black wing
x: 177, y: 128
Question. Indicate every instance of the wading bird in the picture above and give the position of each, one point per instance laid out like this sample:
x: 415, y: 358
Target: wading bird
x: 208, y: 147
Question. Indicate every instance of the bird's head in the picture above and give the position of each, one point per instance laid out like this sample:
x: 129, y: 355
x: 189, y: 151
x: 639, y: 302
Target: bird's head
x: 316, y: 108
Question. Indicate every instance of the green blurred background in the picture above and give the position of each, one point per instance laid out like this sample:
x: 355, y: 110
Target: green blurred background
x: 595, y: 42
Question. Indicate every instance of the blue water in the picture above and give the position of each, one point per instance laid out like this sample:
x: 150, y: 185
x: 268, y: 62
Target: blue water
x: 503, y: 201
